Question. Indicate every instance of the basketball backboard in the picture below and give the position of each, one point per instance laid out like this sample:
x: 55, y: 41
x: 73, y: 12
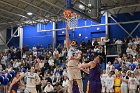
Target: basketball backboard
x: 86, y: 8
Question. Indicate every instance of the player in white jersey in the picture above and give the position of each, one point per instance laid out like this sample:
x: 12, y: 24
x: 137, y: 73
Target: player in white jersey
x: 109, y: 83
x: 32, y: 79
x: 73, y: 70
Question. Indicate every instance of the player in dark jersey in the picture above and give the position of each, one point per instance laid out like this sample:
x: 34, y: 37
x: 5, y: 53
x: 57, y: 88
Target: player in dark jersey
x: 15, y: 83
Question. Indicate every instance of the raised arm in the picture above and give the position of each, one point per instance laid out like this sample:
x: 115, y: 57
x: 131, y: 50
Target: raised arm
x: 67, y: 37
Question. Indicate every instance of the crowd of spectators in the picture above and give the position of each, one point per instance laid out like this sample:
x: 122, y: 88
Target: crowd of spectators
x: 124, y: 71
x: 51, y: 65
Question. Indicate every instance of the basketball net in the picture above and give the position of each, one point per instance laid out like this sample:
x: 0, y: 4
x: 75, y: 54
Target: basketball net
x: 71, y: 19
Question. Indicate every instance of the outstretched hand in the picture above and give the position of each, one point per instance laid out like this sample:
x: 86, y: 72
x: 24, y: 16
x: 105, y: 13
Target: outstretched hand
x: 81, y: 66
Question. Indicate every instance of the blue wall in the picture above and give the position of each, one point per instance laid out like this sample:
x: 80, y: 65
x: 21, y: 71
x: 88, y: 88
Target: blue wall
x: 117, y: 32
x: 31, y: 37
x: 87, y: 33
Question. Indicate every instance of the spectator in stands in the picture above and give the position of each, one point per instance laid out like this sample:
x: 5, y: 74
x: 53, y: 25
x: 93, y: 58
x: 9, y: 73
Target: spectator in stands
x: 102, y: 42
x: 65, y: 73
x: 65, y: 84
x: 130, y: 42
x: 124, y: 84
x: 89, y: 44
x: 41, y: 64
x: 49, y: 88
x: 132, y: 83
x: 103, y: 78
x: 129, y: 50
x: 117, y: 65
x: 108, y: 67
x: 119, y: 44
x: 95, y: 43
x: 51, y: 61
x: 58, y: 88
x: 55, y: 54
x: 117, y: 83
x: 132, y: 65
x: 59, y: 48
x: 109, y: 83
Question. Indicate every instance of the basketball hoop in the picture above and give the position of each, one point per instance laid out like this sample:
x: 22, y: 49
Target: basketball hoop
x: 71, y: 18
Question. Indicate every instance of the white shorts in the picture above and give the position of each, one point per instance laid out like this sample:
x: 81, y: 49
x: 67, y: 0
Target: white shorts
x: 109, y: 90
x: 74, y: 73
x: 30, y: 90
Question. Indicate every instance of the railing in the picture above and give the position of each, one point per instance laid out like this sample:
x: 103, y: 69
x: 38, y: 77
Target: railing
x: 113, y: 49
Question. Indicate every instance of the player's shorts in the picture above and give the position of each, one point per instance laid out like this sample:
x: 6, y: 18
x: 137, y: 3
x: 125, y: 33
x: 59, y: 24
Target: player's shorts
x: 30, y: 90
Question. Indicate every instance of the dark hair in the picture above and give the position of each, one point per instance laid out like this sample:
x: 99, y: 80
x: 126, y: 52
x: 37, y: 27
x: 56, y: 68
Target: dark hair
x: 16, y: 72
x: 75, y: 42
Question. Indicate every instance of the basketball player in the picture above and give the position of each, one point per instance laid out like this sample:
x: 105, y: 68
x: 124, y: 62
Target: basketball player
x: 32, y: 79
x: 74, y: 56
x: 15, y: 83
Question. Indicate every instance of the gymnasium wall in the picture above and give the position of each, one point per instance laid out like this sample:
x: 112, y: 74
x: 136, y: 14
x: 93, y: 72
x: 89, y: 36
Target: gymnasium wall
x: 86, y: 33
x: 31, y: 36
x: 115, y: 31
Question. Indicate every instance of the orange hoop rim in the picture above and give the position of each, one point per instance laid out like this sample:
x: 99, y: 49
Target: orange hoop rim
x: 68, y: 14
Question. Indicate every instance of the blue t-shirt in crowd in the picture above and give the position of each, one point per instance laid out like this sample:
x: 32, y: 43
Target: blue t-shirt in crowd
x: 133, y: 66
x: 117, y: 66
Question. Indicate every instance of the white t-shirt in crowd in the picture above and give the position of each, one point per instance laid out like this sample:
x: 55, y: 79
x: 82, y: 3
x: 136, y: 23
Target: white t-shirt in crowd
x: 103, y: 81
x: 109, y: 82
x: 123, y: 82
x: 41, y: 64
x: 129, y: 51
x: 102, y: 43
x: 48, y: 88
x: 51, y: 62
x: 65, y: 83
x: 118, y: 42
x: 97, y: 50
x: 24, y: 56
x: 34, y: 53
x: 55, y: 54
x: 3, y: 60
x: 108, y: 68
x: 34, y: 48
x: 133, y: 82
x: 65, y: 73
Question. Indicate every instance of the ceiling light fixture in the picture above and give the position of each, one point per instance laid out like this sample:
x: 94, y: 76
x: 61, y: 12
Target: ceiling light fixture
x: 29, y: 13
x: 81, y: 6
